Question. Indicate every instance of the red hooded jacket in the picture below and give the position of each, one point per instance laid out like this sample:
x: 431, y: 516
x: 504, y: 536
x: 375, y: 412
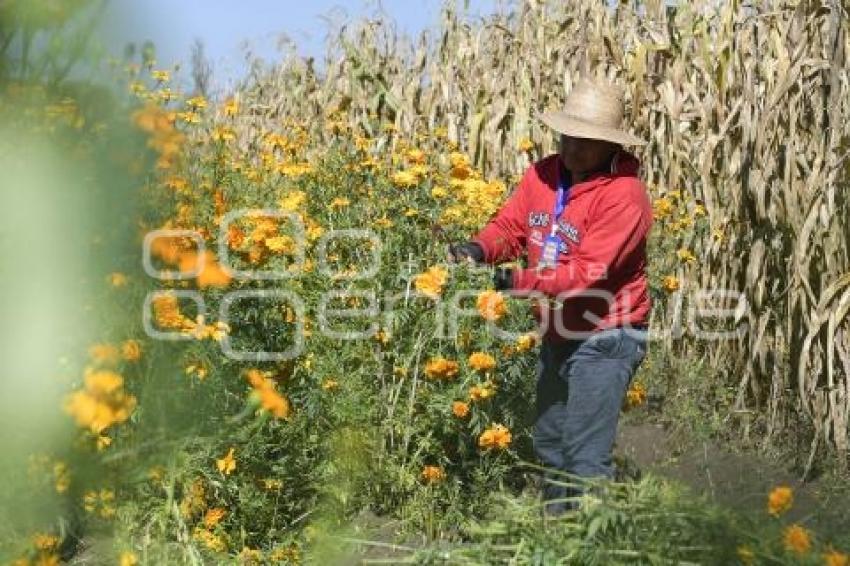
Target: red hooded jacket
x: 600, y: 278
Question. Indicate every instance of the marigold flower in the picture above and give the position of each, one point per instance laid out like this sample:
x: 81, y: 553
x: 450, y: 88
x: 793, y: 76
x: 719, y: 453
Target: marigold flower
x: 405, y: 179
x: 525, y: 144
x: 431, y: 282
x: 491, y: 305
x: 131, y: 350
x: 480, y: 392
x: 834, y: 558
x: 441, y: 368
x: 745, y: 554
x: 213, y: 517
x: 796, y: 539
x: 780, y: 500
x: 636, y: 395
x: 231, y: 107
x: 128, y: 558
x: 481, y: 361
x: 671, y: 283
x: 227, y: 463
x: 497, y: 436
x: 526, y: 342
x: 686, y: 256
x: 433, y: 474
x: 460, y: 409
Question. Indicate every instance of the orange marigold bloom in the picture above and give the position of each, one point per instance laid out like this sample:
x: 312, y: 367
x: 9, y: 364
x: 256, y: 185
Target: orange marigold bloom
x: 497, y: 436
x: 780, y: 500
x: 491, y: 305
x: 834, y: 558
x: 431, y: 282
x: 796, y: 539
x: 441, y: 368
x: 460, y: 409
x: 213, y: 517
x: 131, y: 350
x: 433, y: 474
x: 636, y: 395
x: 481, y: 392
x: 481, y: 361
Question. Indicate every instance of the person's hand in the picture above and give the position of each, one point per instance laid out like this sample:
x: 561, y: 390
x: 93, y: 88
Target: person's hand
x: 470, y: 251
x: 503, y: 278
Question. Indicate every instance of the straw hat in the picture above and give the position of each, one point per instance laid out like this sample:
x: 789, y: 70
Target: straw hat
x: 593, y: 109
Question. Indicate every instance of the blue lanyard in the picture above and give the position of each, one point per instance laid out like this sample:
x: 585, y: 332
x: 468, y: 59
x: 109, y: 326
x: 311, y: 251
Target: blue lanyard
x: 561, y: 199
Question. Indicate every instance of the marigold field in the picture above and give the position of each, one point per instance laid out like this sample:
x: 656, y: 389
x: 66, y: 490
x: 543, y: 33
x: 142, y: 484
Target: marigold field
x: 167, y: 250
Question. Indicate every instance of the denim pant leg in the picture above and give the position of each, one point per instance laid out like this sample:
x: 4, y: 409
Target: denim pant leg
x: 551, y: 412
x: 598, y: 375
x: 579, y: 406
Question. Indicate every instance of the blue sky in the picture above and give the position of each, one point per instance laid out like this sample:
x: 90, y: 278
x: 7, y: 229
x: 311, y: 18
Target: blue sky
x: 224, y: 25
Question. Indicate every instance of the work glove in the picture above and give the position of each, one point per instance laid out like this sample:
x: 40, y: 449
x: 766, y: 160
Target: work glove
x: 503, y: 278
x: 466, y: 250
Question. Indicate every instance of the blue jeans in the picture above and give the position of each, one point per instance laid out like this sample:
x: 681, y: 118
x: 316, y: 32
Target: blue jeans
x: 580, y: 389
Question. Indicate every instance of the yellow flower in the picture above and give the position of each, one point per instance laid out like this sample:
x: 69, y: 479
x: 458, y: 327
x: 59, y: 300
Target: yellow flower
x: 339, y: 202
x: 480, y: 392
x: 431, y: 282
x: 481, y: 361
x: 131, y: 350
x: 671, y: 283
x: 636, y: 395
x: 834, y: 558
x: 796, y: 539
x: 460, y: 409
x: 416, y: 156
x: 210, y: 540
x: 227, y: 463
x: 780, y: 500
x: 405, y: 179
x: 686, y: 256
x: 128, y: 558
x: 439, y: 192
x: 433, y: 474
x: 526, y: 342
x: 231, y: 107
x: 525, y: 144
x: 213, y: 517
x: 745, y: 555
x: 44, y: 541
x: 662, y: 208
x: 293, y: 201
x: 161, y: 76
x: 330, y: 385
x: 117, y: 279
x: 441, y: 368
x: 497, y: 436
x: 61, y: 477
x: 190, y: 117
x: 197, y: 102
x: 491, y: 305
x: 272, y: 484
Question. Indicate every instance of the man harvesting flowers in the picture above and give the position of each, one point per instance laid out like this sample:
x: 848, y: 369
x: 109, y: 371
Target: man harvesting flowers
x: 581, y: 217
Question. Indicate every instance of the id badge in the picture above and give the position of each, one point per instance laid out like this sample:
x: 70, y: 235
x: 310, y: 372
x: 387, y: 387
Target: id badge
x: 549, y: 254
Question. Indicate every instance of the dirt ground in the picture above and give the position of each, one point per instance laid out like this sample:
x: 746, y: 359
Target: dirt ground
x: 740, y: 480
